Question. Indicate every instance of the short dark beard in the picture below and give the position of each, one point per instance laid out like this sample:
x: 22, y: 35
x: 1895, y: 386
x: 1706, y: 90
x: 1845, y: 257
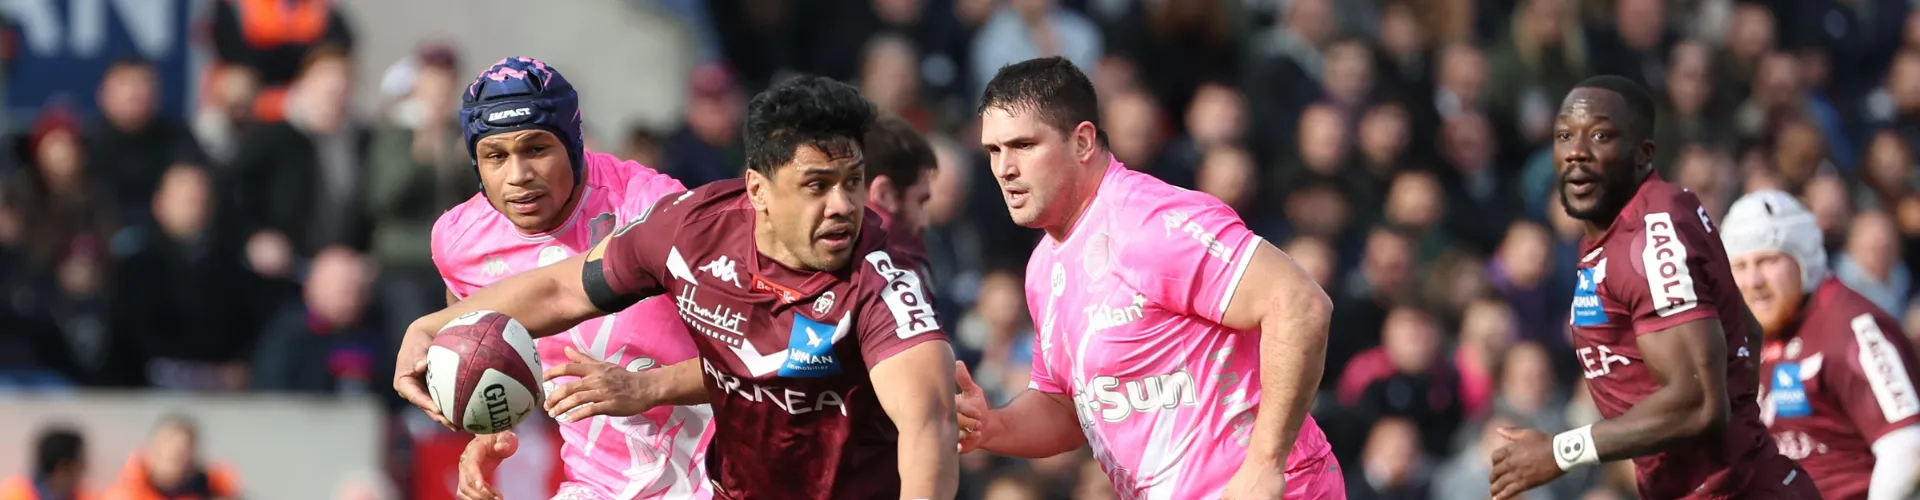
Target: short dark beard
x: 1613, y: 198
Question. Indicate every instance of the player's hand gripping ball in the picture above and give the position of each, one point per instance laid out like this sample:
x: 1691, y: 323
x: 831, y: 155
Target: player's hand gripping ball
x: 483, y: 373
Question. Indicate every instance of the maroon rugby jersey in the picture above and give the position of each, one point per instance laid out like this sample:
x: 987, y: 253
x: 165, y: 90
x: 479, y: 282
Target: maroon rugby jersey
x: 1657, y: 266
x: 1838, y: 380
x: 786, y: 352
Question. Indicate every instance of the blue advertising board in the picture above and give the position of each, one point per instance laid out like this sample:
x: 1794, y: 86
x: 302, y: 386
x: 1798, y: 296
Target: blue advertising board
x: 64, y: 46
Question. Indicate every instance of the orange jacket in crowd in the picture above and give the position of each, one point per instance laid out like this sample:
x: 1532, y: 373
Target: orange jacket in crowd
x: 221, y: 482
x: 21, y: 488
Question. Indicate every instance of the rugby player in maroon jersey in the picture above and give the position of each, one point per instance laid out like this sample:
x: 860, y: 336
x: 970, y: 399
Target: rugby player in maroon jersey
x: 1838, y: 392
x: 1658, y: 325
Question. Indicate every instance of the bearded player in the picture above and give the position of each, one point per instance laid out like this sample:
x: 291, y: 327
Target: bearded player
x: 1839, y: 393
x: 829, y: 376
x: 1183, y: 348
x: 545, y: 198
x: 1657, y: 323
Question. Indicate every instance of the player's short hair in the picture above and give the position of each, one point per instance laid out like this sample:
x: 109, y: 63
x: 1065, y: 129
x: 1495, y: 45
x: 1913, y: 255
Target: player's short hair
x: 57, y: 446
x: 1052, y: 88
x: 1639, y: 102
x: 894, y: 149
x: 807, y: 110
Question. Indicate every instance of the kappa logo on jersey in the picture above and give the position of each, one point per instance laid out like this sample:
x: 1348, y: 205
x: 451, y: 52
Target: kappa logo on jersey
x: 1788, y: 393
x: 1183, y: 222
x: 1886, y: 374
x: 722, y: 269
x: 494, y: 266
x: 719, y: 322
x: 810, y: 349
x: 1587, y: 310
x: 1669, y: 280
x: 904, y: 297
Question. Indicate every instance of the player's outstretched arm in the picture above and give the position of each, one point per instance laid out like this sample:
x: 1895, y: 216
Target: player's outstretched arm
x: 915, y: 387
x: 1689, y: 362
x: 1292, y: 313
x: 1047, y: 425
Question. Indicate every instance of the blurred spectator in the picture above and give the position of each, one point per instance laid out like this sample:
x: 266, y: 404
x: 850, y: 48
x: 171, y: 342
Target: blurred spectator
x: 1778, y: 96
x: 272, y: 39
x: 1283, y: 69
x: 185, y: 297
x: 1137, y: 132
x: 1708, y: 173
x: 1178, y: 44
x: 1215, y: 117
x: 1319, y: 208
x: 642, y: 146
x: 59, y: 469
x: 1523, y: 272
x: 1393, y: 466
x: 1025, y: 29
x: 1014, y: 487
x: 132, y: 143
x: 1416, y: 205
x: 67, y: 225
x: 890, y: 77
x: 1826, y: 196
x: 1093, y: 483
x: 300, y: 179
x: 1467, y: 473
x: 1314, y: 256
x: 1381, y: 282
x: 1228, y: 173
x: 1633, y: 47
x: 1543, y: 56
x: 707, y: 147
x: 1486, y: 329
x: 1322, y: 153
x: 224, y: 112
x: 1871, y: 262
x: 326, y: 342
x: 1887, y: 174
x: 170, y: 466
x: 1691, y: 107
x: 1384, y: 138
x: 1407, y: 377
x: 998, y: 328
x: 1452, y: 282
x: 417, y: 166
x: 1480, y: 194
x: 1528, y: 392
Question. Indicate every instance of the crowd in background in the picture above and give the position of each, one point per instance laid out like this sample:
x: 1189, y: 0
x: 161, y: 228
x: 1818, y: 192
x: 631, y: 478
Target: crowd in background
x: 271, y: 239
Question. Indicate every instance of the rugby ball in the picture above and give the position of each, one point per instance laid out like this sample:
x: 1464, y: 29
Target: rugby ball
x: 483, y: 372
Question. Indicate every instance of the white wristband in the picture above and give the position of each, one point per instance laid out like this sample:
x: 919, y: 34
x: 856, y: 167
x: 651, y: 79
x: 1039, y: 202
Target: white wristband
x: 1575, y: 448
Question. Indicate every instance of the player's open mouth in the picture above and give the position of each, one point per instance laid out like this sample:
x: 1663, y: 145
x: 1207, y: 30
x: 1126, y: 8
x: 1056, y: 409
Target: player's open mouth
x: 1016, y: 197
x: 837, y: 239
x: 1581, y: 184
x: 525, y: 204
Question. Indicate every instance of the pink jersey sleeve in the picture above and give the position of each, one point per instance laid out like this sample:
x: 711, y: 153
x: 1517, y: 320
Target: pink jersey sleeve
x: 639, y: 185
x: 448, y: 232
x: 1667, y: 281
x: 1877, y: 387
x: 1041, y: 373
x: 900, y: 316
x: 1186, y: 251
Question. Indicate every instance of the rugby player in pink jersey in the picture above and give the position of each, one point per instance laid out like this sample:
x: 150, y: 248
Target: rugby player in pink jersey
x: 1837, y: 390
x: 1163, y: 320
x: 545, y: 198
x: 1658, y: 324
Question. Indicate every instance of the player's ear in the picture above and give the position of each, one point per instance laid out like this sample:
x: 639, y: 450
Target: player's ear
x: 757, y: 185
x: 1643, y: 156
x: 1085, y: 137
x: 881, y: 193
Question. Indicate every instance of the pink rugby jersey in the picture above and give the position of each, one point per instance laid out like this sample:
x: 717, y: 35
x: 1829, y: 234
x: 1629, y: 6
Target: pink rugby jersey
x: 1129, y: 306
x: 657, y: 454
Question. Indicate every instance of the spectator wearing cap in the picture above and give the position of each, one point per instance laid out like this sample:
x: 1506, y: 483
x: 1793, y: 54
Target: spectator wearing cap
x: 59, y: 465
x: 417, y: 167
x: 707, y: 147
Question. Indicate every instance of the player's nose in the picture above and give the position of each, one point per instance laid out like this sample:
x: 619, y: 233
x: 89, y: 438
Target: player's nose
x: 842, y: 203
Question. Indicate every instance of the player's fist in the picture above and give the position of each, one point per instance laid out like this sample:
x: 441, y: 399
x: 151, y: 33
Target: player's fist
x: 603, y: 389
x: 976, y: 418
x: 1524, y: 463
x: 1257, y: 480
x: 481, y: 457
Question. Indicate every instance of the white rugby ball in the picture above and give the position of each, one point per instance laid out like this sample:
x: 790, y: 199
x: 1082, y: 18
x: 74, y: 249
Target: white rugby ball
x: 484, y: 372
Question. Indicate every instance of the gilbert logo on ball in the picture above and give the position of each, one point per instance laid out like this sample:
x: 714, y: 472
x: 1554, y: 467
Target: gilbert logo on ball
x: 483, y: 372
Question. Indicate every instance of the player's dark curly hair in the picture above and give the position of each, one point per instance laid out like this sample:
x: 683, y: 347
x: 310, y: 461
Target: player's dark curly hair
x: 1052, y: 88
x: 807, y: 110
x: 894, y: 149
x: 1639, y: 102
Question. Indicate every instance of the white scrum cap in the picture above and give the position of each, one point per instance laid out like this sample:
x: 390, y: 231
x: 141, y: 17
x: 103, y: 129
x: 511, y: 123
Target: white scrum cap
x: 1774, y: 220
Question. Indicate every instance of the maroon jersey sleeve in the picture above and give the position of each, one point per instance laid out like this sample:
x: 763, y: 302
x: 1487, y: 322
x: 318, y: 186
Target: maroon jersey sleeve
x: 1668, y: 282
x: 895, y: 313
x: 1875, y: 381
x: 635, y: 259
